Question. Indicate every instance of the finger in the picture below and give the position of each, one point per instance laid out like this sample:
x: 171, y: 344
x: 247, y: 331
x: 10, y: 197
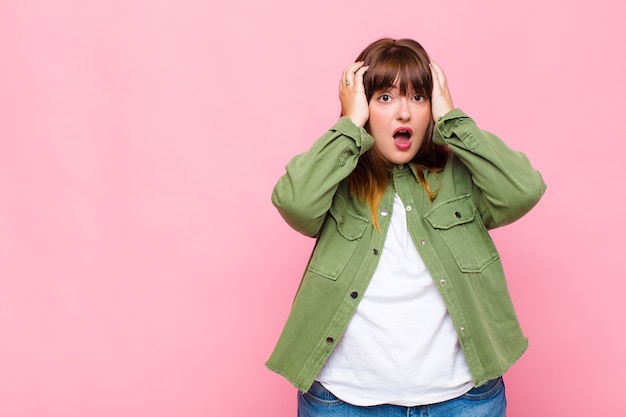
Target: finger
x: 436, y: 67
x: 347, y: 77
x: 358, y: 75
x: 350, y: 73
x: 438, y: 75
x: 433, y: 73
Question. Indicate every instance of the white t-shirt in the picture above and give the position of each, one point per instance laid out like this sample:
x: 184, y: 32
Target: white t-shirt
x: 400, y: 347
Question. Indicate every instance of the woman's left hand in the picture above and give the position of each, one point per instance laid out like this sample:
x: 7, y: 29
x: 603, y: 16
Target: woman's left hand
x: 441, y: 100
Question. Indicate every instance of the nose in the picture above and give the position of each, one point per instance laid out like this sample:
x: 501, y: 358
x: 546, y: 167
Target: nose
x: 404, y: 112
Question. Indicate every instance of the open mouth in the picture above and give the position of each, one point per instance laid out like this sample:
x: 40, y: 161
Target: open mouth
x: 402, y: 137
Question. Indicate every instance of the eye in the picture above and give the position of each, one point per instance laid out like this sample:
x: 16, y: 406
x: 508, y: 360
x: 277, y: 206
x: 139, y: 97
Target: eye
x: 384, y: 98
x: 419, y: 98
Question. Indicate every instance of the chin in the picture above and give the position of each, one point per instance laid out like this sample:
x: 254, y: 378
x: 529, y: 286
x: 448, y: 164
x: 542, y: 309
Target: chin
x: 402, y: 159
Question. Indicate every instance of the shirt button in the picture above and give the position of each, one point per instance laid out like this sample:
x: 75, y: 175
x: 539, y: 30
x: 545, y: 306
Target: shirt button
x: 330, y: 340
x: 423, y: 242
x: 375, y: 251
x: 400, y: 166
x: 354, y: 294
x: 462, y: 329
x: 409, y: 208
x: 384, y: 212
x: 443, y: 282
x: 458, y: 215
x: 340, y: 219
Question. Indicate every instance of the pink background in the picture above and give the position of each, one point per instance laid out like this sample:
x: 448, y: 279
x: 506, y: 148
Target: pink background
x: 143, y: 270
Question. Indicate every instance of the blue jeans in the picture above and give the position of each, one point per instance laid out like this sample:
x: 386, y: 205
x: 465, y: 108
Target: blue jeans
x: 488, y: 400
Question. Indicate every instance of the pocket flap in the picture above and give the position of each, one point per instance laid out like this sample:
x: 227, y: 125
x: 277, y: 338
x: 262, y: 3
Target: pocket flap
x: 350, y: 225
x: 450, y: 213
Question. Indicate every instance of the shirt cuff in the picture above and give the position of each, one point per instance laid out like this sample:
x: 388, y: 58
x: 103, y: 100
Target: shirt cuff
x: 346, y: 126
x: 446, y: 128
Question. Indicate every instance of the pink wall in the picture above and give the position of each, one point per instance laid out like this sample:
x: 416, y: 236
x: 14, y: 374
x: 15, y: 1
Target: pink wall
x: 143, y: 270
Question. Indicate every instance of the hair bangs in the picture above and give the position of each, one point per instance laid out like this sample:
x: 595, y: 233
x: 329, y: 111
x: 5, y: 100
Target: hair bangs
x: 398, y: 67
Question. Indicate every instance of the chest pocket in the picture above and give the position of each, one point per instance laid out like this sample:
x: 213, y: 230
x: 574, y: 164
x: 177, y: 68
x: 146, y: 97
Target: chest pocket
x: 339, y: 238
x: 461, y: 228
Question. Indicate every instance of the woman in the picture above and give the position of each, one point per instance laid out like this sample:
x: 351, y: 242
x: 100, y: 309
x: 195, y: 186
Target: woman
x: 403, y: 306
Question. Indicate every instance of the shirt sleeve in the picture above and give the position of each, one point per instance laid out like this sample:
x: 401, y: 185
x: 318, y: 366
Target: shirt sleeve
x: 304, y: 194
x: 507, y: 184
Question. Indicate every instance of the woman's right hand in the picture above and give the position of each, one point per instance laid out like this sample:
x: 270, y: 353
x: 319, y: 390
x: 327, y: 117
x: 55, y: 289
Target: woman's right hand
x: 352, y: 94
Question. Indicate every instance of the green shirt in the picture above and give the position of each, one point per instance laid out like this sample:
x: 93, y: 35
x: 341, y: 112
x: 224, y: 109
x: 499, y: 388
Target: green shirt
x: 484, y: 185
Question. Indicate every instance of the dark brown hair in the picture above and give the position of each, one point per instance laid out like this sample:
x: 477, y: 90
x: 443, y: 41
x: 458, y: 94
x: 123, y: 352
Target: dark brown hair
x: 403, y: 63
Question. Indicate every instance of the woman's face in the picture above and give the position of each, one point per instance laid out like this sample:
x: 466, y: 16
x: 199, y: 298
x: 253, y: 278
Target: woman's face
x: 398, y: 124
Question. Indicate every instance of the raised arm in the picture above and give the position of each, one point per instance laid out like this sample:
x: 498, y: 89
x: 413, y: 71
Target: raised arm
x: 303, y: 195
x: 508, y: 185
